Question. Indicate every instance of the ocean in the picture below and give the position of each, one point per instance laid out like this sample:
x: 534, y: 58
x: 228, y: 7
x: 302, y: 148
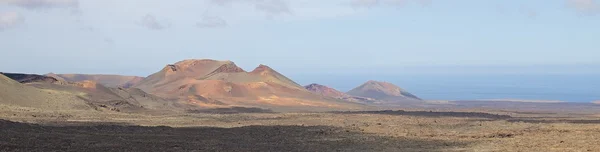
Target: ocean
x: 570, y: 88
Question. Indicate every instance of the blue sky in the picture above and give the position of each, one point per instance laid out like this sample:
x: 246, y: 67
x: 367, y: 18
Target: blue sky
x: 139, y: 37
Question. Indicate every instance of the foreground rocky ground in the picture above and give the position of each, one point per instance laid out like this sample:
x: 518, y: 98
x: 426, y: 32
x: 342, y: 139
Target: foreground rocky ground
x: 336, y: 131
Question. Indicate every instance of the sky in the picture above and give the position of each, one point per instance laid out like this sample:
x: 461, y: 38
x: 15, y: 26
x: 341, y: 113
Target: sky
x: 296, y: 37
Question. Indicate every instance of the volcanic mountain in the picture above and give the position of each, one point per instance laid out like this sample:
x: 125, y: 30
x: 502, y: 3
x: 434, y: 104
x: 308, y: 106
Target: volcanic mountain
x: 330, y: 92
x: 106, y: 80
x: 212, y: 83
x: 382, y: 91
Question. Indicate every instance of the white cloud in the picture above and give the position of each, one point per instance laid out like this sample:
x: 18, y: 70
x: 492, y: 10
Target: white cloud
x: 529, y: 12
x: 149, y: 21
x: 426, y: 2
x: 222, y: 2
x: 364, y: 3
x: 109, y: 41
x: 234, y: 12
x: 270, y: 7
x: 584, y: 6
x: 273, y: 7
x: 10, y: 20
x: 374, y: 3
x: 43, y: 4
x: 212, y: 22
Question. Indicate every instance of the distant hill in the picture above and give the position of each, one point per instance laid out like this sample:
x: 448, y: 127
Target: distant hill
x: 48, y: 93
x: 382, y: 91
x: 106, y: 80
x: 330, y: 92
x: 30, y: 78
x: 212, y: 83
x: 596, y: 102
x: 13, y: 93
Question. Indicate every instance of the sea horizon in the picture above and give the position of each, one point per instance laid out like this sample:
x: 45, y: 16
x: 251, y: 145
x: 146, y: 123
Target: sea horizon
x: 546, y: 87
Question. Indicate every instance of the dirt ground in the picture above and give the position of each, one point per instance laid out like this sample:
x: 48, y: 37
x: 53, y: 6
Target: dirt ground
x: 334, y: 131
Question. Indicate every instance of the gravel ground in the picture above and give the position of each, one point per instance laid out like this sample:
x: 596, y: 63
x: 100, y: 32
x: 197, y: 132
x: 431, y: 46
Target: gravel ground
x: 340, y: 131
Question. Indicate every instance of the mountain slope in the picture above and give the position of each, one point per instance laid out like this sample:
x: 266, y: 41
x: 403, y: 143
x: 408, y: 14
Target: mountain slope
x: 106, y: 80
x: 212, y: 83
x: 382, y: 91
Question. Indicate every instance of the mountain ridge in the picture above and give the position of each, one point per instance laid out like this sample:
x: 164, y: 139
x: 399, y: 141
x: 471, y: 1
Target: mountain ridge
x: 206, y: 81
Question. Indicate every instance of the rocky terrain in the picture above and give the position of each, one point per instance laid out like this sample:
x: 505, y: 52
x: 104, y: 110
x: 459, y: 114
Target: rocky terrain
x: 338, y: 131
